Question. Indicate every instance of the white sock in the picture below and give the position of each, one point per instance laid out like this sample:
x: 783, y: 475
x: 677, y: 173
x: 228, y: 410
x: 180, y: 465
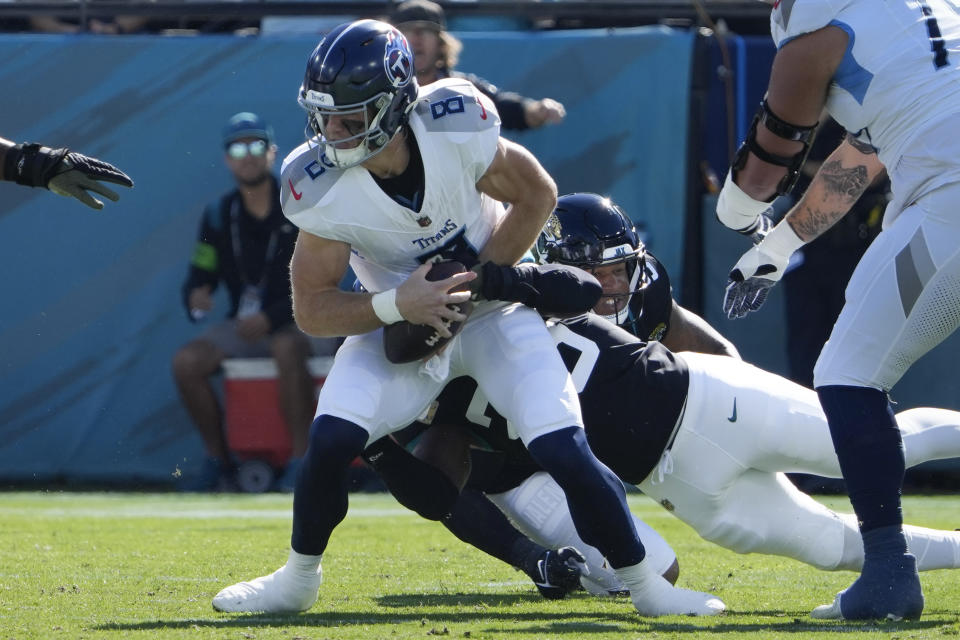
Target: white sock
x: 303, y: 564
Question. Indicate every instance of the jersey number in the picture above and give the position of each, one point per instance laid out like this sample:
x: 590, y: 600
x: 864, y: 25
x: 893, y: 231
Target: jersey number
x: 936, y: 38
x: 580, y: 356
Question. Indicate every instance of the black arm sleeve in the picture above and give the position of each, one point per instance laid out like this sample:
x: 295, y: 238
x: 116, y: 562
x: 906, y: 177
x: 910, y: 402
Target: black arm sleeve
x: 478, y: 522
x: 415, y: 484
x: 205, y: 262
x: 552, y: 289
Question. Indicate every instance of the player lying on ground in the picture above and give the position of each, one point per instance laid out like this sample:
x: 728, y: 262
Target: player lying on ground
x: 592, y: 232
x: 709, y: 437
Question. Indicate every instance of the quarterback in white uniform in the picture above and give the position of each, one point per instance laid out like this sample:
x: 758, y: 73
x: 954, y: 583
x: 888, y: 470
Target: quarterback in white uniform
x: 888, y: 72
x: 392, y: 180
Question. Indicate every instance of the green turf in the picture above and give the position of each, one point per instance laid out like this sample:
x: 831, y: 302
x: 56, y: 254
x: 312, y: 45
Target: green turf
x: 86, y: 565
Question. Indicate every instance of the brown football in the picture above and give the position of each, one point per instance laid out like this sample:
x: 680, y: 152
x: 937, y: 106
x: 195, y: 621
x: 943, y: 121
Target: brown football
x: 405, y: 342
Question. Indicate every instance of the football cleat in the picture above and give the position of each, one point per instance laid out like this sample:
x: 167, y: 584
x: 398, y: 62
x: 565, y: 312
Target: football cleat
x: 886, y: 590
x: 279, y: 592
x: 558, y: 572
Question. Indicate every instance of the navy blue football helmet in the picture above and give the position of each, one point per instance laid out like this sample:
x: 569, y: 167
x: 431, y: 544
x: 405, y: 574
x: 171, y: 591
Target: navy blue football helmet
x: 587, y: 230
x: 360, y: 68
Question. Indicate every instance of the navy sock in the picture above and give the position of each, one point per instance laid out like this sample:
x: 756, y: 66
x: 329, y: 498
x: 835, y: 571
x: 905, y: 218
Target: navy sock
x: 595, y: 496
x: 870, y: 450
x: 320, y: 495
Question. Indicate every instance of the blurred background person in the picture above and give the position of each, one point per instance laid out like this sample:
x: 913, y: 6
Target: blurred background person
x: 435, y: 56
x: 246, y: 243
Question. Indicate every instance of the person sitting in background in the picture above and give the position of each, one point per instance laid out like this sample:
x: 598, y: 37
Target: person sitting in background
x: 62, y: 171
x: 435, y: 54
x: 246, y: 243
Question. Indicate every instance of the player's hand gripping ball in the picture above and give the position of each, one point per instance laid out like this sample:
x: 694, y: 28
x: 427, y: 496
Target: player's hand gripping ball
x: 406, y: 342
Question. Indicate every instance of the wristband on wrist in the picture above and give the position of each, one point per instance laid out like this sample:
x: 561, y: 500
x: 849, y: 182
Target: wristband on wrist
x: 12, y: 163
x: 737, y: 210
x: 385, y: 306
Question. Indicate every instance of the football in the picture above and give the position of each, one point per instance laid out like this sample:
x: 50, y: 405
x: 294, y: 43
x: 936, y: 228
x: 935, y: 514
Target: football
x: 406, y: 342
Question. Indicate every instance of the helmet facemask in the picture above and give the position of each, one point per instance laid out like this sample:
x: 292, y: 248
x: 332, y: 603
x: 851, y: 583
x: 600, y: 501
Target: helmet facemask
x: 362, y: 74
x: 367, y: 136
x: 633, y: 263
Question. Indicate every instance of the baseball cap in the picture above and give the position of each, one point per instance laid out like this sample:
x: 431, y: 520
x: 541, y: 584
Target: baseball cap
x: 424, y: 12
x: 246, y: 125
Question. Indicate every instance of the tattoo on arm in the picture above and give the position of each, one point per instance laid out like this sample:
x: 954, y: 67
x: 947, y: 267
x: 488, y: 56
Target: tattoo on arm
x: 842, y: 186
x: 839, y: 181
x: 813, y: 224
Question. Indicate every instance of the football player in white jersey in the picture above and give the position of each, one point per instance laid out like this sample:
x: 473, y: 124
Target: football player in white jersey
x: 390, y: 180
x: 888, y: 72
x: 65, y: 172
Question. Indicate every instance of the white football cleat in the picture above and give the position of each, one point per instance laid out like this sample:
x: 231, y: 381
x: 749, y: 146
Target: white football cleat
x: 653, y: 595
x: 282, y: 591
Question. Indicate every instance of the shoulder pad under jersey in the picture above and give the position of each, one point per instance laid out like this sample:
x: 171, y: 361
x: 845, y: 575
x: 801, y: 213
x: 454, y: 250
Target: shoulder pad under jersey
x: 455, y: 105
x: 792, y: 18
x: 305, y: 178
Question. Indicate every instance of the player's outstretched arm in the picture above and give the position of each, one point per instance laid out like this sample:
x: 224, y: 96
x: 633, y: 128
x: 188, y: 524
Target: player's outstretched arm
x: 555, y: 290
x: 62, y: 171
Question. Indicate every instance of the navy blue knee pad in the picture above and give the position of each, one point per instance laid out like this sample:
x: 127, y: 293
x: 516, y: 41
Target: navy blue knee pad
x: 870, y: 450
x: 595, y: 495
x: 320, y: 495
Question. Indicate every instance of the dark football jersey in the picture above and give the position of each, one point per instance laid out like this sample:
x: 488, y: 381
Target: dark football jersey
x: 631, y: 395
x: 650, y: 309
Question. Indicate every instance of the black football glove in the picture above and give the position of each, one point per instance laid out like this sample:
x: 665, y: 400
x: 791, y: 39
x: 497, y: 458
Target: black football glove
x: 64, y: 172
x: 557, y: 573
x: 552, y: 289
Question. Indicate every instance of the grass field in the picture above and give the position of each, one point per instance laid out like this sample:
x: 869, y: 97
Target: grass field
x: 92, y: 565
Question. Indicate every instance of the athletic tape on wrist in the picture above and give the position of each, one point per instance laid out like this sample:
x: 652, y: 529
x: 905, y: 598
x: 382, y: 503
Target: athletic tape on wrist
x: 385, y: 306
x: 737, y: 210
x: 782, y: 241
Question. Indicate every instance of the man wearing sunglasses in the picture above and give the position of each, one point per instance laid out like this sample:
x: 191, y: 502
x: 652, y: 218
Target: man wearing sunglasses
x: 245, y: 243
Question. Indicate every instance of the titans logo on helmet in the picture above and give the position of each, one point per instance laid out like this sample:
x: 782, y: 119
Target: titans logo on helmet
x: 397, y: 60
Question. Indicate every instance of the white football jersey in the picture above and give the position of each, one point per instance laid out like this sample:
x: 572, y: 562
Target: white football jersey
x: 901, y: 70
x: 457, y: 130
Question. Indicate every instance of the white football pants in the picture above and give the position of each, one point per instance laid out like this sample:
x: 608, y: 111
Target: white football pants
x: 742, y: 429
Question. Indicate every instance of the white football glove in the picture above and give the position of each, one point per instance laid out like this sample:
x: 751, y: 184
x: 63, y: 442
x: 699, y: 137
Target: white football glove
x: 738, y: 211
x: 759, y: 269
